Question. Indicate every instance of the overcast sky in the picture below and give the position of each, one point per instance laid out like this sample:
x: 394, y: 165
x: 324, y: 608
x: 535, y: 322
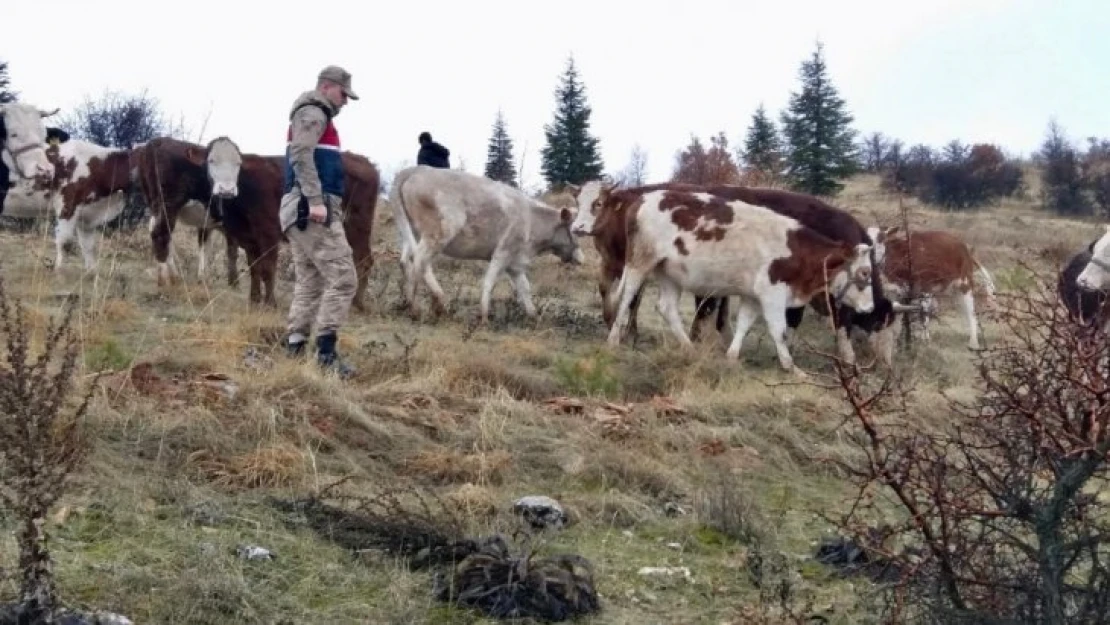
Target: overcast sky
x: 655, y: 72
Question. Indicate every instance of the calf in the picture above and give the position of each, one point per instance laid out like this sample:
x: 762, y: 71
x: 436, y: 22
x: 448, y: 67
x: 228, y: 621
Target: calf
x: 941, y: 262
x: 182, y: 175
x: 23, y: 136
x: 214, y: 186
x: 708, y: 245
x: 89, y: 187
x: 471, y: 217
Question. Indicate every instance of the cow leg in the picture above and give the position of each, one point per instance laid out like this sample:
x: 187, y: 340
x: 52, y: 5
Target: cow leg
x: 422, y: 266
x: 669, y: 294
x: 882, y: 344
x: 232, y: 262
x: 793, y: 320
x: 86, y: 239
x: 842, y: 318
x: 628, y: 289
x: 745, y: 317
x: 523, y: 289
x: 774, y: 314
x: 722, y: 318
x: 64, y: 232
x: 967, y: 302
x: 493, y: 272
x: 202, y: 248
x: 161, y: 239
x: 704, y: 307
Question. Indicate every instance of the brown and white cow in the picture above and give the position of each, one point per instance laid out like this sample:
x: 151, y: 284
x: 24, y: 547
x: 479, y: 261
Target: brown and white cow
x: 178, y: 174
x: 471, y: 217
x: 705, y: 244
x: 941, y: 263
x: 23, y: 147
x: 601, y: 215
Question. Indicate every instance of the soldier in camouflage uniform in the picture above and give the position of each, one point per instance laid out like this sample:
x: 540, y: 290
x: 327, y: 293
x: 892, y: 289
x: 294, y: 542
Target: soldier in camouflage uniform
x: 312, y: 219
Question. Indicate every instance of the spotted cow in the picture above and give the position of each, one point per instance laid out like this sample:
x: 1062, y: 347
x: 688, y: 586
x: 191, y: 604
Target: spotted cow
x: 703, y: 243
x: 601, y: 214
x: 1087, y: 304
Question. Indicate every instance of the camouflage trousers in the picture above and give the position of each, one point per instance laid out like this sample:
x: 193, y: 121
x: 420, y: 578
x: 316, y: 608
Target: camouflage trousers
x: 324, y: 271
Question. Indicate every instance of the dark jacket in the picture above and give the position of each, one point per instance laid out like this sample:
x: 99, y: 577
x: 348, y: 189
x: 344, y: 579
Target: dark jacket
x: 434, y: 155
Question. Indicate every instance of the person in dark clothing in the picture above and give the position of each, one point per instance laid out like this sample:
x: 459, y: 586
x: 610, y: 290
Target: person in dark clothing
x: 432, y: 153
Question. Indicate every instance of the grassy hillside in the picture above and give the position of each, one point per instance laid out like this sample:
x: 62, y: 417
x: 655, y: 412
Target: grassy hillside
x: 183, y: 465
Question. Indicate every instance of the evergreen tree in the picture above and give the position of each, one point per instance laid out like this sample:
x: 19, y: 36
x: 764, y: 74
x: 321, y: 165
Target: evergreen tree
x: 6, y: 93
x: 1061, y: 178
x: 817, y: 126
x: 763, y: 146
x: 571, y: 154
x: 499, y: 156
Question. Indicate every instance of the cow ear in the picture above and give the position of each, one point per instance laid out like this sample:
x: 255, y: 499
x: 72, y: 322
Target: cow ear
x: 195, y: 156
x: 889, y: 232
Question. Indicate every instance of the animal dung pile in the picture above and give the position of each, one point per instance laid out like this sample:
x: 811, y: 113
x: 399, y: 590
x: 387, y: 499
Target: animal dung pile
x: 505, y: 586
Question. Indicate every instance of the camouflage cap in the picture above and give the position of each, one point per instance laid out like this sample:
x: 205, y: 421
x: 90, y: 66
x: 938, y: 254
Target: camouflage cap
x: 340, y: 76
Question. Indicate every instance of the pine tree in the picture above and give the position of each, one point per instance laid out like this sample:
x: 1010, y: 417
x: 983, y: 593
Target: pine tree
x: 763, y: 146
x: 6, y: 93
x: 571, y: 154
x: 499, y: 156
x: 820, y: 141
x: 1061, y: 180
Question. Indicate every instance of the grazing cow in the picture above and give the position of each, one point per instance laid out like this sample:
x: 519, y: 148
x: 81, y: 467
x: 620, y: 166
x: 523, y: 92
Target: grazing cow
x: 179, y: 176
x: 23, y: 153
x: 706, y: 244
x: 471, y: 217
x: 1087, y: 306
x: 601, y: 211
x: 941, y: 262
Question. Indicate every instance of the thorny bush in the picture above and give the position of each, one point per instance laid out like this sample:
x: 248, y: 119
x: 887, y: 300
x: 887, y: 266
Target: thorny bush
x: 991, y: 513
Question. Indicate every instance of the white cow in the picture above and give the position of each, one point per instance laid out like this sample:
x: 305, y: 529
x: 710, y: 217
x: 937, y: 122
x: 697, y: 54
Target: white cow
x: 467, y: 216
x: 24, y: 141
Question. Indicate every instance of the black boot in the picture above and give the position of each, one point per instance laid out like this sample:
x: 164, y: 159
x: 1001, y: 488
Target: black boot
x: 328, y: 358
x: 295, y: 348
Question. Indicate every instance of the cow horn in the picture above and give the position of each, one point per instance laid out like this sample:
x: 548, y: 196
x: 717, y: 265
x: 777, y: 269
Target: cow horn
x: 45, y: 113
x: 904, y: 308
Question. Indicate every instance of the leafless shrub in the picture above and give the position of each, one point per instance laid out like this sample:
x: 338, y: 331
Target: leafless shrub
x: 992, y: 515
x: 41, y: 444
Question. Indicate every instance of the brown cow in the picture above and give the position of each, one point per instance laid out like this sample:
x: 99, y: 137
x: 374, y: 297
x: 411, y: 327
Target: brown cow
x: 712, y: 246
x: 251, y: 219
x: 941, y: 262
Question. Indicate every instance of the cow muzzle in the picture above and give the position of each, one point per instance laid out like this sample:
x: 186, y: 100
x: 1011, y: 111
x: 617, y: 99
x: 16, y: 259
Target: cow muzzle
x: 225, y: 192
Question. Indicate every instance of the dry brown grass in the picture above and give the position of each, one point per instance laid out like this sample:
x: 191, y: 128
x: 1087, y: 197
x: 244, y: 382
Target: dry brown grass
x: 622, y: 438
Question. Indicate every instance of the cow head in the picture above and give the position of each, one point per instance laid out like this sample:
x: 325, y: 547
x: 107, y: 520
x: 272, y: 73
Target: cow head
x: 1096, y: 275
x: 24, y: 140
x: 590, y: 197
x: 562, y: 242
x: 852, y: 283
x: 222, y: 161
x: 879, y: 237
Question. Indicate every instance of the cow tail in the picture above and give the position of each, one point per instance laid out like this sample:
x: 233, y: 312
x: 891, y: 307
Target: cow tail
x: 988, y: 282
x: 400, y: 217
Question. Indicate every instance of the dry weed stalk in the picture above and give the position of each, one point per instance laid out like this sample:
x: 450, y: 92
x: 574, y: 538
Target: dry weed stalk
x: 40, y: 443
x: 993, y: 516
